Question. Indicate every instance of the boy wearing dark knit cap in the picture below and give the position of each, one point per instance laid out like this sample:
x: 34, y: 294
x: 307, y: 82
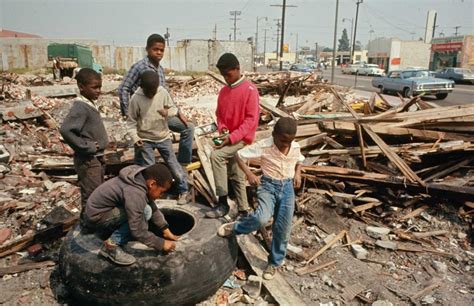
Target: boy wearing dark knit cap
x: 237, y: 120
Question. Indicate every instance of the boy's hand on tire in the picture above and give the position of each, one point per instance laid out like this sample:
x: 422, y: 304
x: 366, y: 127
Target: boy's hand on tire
x: 169, y: 246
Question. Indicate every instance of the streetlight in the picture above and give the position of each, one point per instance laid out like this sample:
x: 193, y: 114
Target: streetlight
x: 352, y: 28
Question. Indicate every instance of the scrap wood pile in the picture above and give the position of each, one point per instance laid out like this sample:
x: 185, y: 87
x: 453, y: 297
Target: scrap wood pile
x: 409, y: 172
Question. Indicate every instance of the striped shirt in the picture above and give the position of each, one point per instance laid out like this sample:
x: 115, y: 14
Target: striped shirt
x: 273, y: 163
x: 131, y: 81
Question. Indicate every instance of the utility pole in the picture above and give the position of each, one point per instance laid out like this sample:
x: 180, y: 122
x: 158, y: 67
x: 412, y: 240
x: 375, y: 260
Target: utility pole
x: 167, y: 37
x: 235, y: 14
x: 264, y: 45
x: 334, y: 43
x: 256, y: 36
x: 316, y: 52
x: 456, y: 29
x: 355, y: 29
x: 215, y: 31
x: 277, y: 37
x: 282, y: 39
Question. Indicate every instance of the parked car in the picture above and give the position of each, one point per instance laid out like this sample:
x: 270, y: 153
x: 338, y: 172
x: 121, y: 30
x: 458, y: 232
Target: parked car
x: 351, y: 68
x: 371, y: 69
x: 413, y: 82
x: 458, y: 75
x: 285, y: 66
x: 300, y: 68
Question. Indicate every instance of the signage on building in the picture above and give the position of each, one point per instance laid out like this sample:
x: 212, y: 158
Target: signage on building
x: 447, y: 47
x: 395, y: 61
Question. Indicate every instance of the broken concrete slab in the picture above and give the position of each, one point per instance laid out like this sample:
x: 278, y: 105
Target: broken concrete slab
x: 377, y: 232
x: 386, y: 244
x: 359, y: 252
x: 22, y: 111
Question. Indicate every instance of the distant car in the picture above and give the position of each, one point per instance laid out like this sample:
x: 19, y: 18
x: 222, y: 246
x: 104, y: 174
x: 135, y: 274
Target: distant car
x: 458, y: 75
x: 300, y: 68
x: 285, y: 66
x: 413, y: 82
x: 351, y: 69
x: 371, y: 69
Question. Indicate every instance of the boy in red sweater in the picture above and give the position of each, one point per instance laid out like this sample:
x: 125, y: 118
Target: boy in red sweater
x: 237, y: 114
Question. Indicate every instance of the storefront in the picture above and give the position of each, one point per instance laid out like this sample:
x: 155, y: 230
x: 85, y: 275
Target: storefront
x: 446, y: 52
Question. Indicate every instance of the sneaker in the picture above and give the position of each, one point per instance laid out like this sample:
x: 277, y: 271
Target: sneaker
x: 183, y: 198
x: 116, y: 255
x: 226, y: 229
x: 218, y: 212
x: 269, y: 272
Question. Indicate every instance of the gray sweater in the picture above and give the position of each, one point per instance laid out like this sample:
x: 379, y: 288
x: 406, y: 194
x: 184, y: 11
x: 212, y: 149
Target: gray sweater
x: 83, y: 128
x: 129, y: 191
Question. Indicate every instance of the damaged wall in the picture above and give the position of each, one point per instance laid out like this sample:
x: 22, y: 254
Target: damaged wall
x: 188, y: 55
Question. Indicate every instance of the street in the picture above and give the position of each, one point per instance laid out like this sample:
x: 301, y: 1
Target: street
x: 462, y: 94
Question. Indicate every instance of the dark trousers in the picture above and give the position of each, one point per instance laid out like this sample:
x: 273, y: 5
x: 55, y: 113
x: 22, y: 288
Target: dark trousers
x: 90, y: 174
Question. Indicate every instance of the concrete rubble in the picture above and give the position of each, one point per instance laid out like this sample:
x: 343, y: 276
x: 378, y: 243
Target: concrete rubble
x: 386, y: 202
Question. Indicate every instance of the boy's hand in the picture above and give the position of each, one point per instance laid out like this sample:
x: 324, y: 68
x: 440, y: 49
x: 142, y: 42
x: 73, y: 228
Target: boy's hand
x: 225, y: 142
x: 167, y: 234
x: 253, y: 179
x: 297, y: 180
x: 183, y: 119
x: 163, y: 112
x: 139, y: 143
x: 169, y: 246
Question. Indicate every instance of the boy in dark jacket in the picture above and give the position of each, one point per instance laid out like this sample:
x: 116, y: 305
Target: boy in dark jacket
x: 84, y: 131
x: 123, y: 205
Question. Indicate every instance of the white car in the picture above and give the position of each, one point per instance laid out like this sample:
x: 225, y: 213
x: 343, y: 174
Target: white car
x: 351, y: 69
x: 371, y: 69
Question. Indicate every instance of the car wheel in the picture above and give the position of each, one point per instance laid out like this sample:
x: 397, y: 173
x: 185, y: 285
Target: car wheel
x: 382, y: 89
x: 407, y: 92
x: 441, y: 96
x: 199, y: 266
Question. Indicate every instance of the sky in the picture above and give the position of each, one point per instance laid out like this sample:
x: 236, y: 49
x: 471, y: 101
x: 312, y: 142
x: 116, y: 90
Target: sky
x: 122, y: 22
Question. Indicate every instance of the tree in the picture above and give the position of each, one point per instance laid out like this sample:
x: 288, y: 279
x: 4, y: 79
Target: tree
x: 326, y: 49
x: 344, y: 44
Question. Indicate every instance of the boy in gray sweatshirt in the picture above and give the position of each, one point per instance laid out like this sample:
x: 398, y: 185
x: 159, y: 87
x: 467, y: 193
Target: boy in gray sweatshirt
x: 123, y: 206
x: 84, y: 131
x: 147, y: 125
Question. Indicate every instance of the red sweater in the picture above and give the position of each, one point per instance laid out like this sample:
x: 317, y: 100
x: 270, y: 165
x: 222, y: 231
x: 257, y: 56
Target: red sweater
x: 238, y: 111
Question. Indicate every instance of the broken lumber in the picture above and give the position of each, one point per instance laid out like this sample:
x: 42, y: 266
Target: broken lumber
x: 26, y: 267
x: 257, y: 257
x: 327, y: 246
x: 311, y: 269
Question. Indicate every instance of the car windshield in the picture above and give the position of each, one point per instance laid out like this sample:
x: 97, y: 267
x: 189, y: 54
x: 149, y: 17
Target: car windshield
x: 372, y: 66
x: 463, y: 71
x: 299, y: 66
x: 415, y: 74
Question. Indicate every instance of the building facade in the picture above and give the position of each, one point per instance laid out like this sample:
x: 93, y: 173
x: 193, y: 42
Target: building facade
x: 454, y: 51
x: 394, y: 54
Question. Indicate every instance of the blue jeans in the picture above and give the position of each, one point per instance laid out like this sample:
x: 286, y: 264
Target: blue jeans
x: 145, y: 156
x: 275, y: 198
x: 122, y: 234
x: 186, y: 134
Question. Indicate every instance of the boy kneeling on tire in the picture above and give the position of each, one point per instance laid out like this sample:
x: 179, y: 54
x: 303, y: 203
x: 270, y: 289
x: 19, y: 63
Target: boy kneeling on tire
x: 121, y: 207
x: 280, y: 160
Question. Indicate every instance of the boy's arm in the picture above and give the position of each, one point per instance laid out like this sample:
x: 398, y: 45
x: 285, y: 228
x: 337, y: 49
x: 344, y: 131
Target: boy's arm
x: 299, y: 163
x: 252, y: 178
x: 132, y: 128
x: 71, y: 129
x: 134, y: 203
x: 252, y: 151
x: 250, y: 123
x: 125, y: 89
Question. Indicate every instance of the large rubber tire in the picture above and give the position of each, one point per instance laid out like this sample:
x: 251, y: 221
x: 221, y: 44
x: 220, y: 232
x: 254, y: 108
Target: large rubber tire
x: 382, y: 89
x: 441, y: 96
x: 199, y: 266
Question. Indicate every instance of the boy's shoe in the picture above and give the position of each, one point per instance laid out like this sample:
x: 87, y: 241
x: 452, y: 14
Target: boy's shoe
x: 226, y: 229
x: 116, y: 254
x: 183, y: 198
x: 218, y: 212
x: 269, y: 272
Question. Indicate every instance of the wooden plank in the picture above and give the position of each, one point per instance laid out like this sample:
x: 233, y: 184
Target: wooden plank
x: 327, y: 246
x: 361, y: 145
x: 311, y: 269
x: 206, y: 164
x: 272, y: 109
x: 311, y: 141
x: 414, y: 213
x: 365, y: 207
x: 449, y: 170
x: 257, y: 257
x: 26, y: 267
